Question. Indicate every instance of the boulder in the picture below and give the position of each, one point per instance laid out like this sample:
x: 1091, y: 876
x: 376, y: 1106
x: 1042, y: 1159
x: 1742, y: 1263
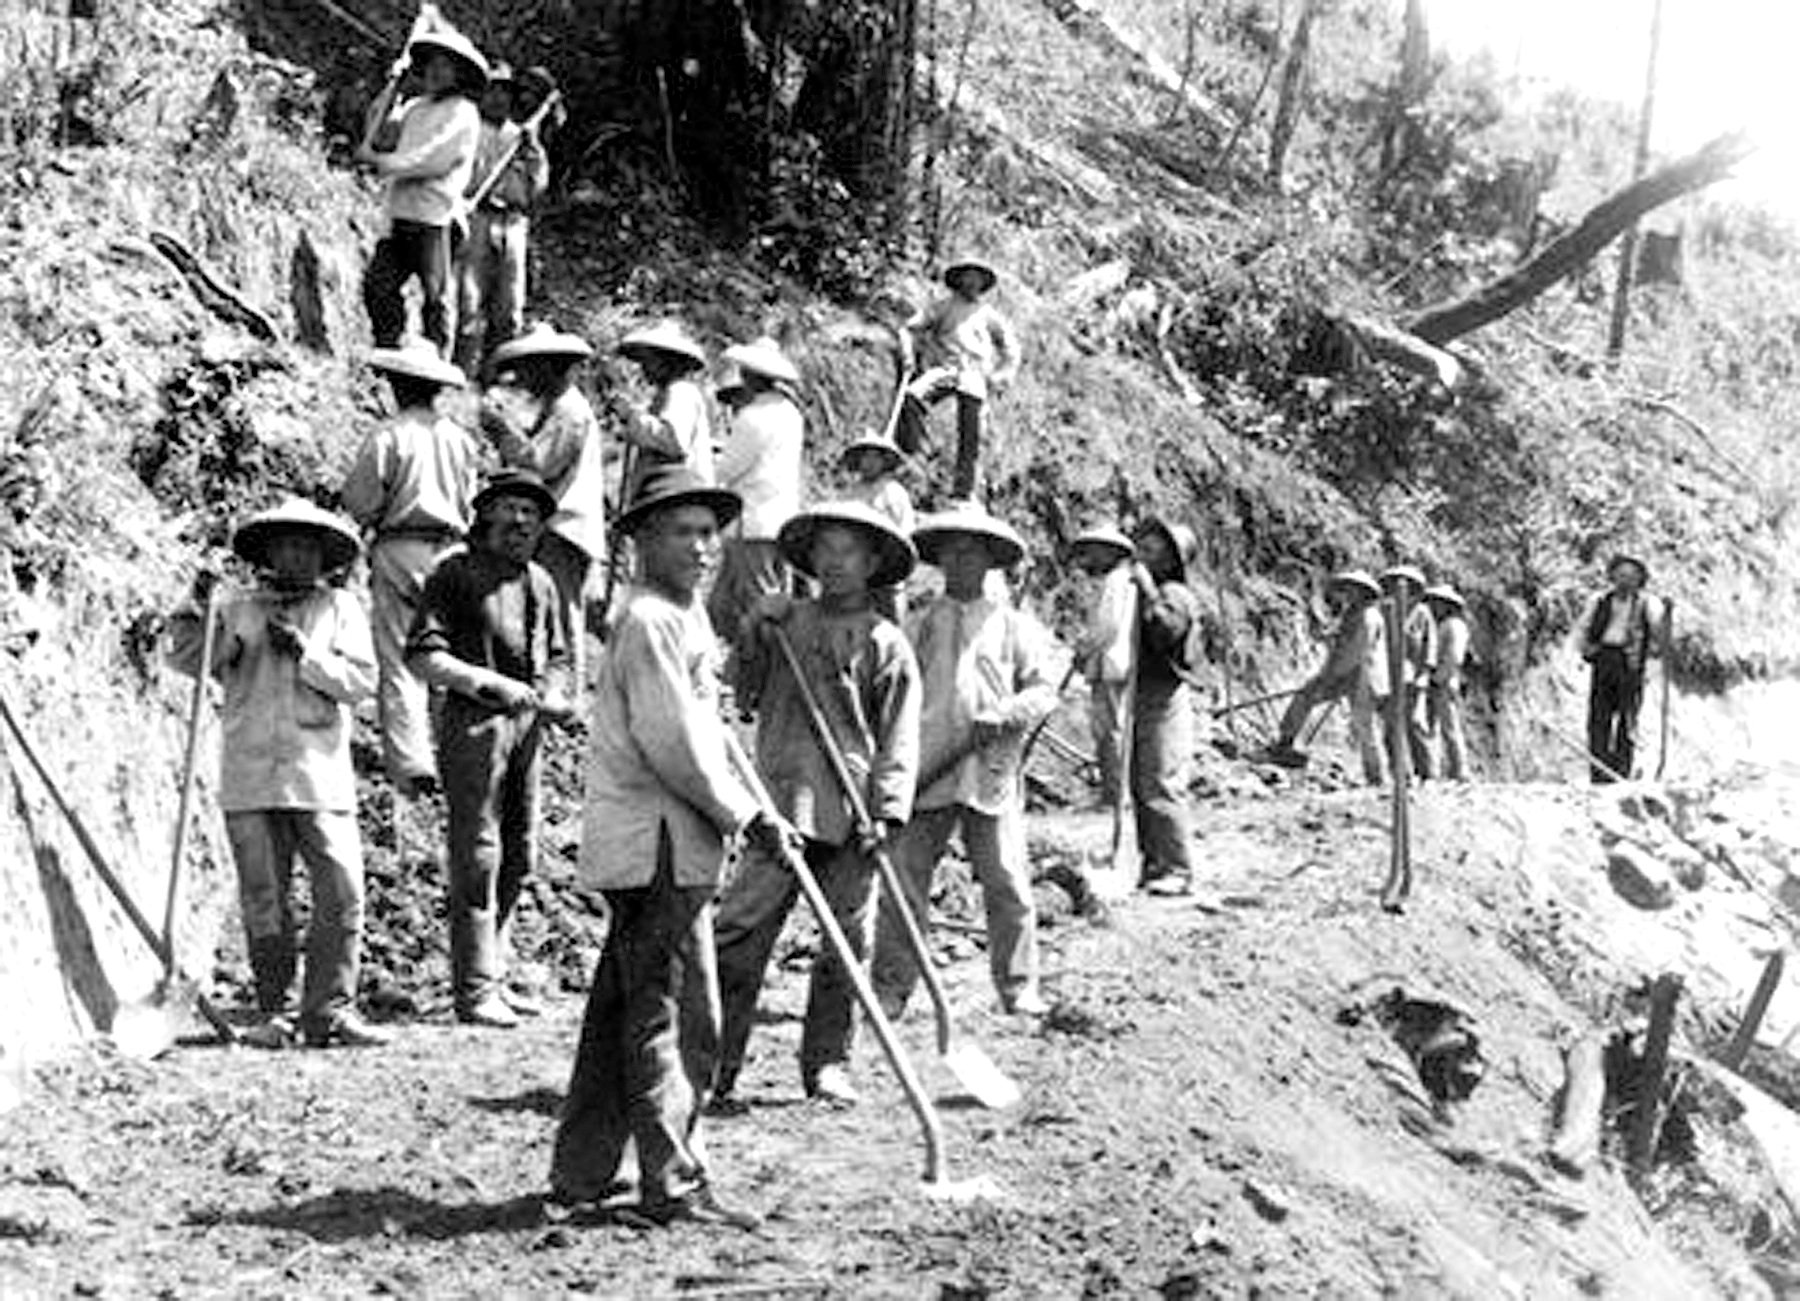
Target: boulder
x: 1640, y: 880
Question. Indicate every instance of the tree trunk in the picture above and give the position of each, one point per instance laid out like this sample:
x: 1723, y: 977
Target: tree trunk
x: 1293, y: 90
x: 1602, y: 224
x: 1400, y: 131
x: 1621, y: 308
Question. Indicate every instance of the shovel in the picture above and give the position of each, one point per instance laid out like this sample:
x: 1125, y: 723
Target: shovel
x: 1115, y: 879
x: 973, y: 1069
x: 153, y: 1028
x: 1398, y: 885
x: 937, y: 1182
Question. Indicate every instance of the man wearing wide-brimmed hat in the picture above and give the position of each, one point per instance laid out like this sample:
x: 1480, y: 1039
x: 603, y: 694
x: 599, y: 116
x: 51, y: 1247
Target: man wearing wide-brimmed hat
x: 1444, y: 702
x: 1418, y: 661
x: 491, y: 636
x: 674, y: 428
x: 1103, y: 650
x: 988, y: 678
x: 511, y: 171
x: 661, y: 803
x: 760, y: 461
x: 866, y: 680
x: 409, y: 487
x: 426, y: 152
x: 294, y: 657
x: 539, y: 419
x: 958, y: 345
x: 1621, y: 633
x: 1162, y: 713
x: 874, y: 461
x: 1355, y: 669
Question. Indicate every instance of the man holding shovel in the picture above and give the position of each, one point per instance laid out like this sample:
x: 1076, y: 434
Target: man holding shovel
x: 866, y: 683
x: 295, y: 657
x: 1355, y: 668
x: 661, y: 803
x: 988, y: 678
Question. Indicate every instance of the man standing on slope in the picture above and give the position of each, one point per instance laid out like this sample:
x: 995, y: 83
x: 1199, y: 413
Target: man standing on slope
x: 1618, y: 637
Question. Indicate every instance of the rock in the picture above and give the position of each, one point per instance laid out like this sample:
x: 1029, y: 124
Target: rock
x: 1638, y: 878
x: 1267, y: 1201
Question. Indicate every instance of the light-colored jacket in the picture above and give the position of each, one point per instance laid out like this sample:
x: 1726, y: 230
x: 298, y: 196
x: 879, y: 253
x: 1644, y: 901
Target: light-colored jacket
x: 1106, y: 641
x: 428, y: 171
x: 286, y: 722
x: 658, y: 758
x: 971, y: 338
x: 564, y: 447
x: 980, y: 661
x: 676, y: 428
x: 415, y: 474
x: 761, y: 463
x: 867, y: 682
x: 1453, y: 651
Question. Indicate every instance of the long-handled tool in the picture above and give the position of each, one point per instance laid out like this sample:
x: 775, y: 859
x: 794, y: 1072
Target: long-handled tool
x: 111, y: 879
x: 1400, y: 875
x: 1667, y: 636
x: 972, y: 1067
x: 552, y: 102
x: 1117, y: 878
x: 937, y: 1181
x: 1267, y: 698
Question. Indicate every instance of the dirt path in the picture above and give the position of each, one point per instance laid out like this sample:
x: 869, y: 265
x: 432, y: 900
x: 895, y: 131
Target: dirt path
x: 1199, y: 1120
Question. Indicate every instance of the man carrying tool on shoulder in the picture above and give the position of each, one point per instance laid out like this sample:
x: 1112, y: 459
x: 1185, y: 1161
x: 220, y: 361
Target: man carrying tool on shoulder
x: 491, y: 636
x: 1445, y: 701
x: 1418, y: 662
x: 1355, y: 668
x: 1162, y: 713
x: 661, y: 804
x: 988, y: 678
x: 866, y: 681
x: 295, y: 658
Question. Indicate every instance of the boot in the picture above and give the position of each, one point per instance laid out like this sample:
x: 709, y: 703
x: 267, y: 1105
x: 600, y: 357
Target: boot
x: 273, y: 963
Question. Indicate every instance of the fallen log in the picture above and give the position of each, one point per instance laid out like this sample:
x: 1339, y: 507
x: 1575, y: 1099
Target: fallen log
x: 1576, y: 1143
x: 214, y: 295
x: 1646, y: 1120
x: 1739, y: 1048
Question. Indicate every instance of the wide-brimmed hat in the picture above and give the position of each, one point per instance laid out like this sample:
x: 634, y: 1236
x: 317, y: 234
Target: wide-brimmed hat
x: 878, y: 443
x: 1104, y: 538
x: 1624, y: 559
x: 1182, y: 539
x: 969, y: 521
x: 1447, y: 594
x: 895, y: 557
x: 1403, y: 573
x: 675, y: 484
x: 297, y: 515
x: 515, y: 481
x: 667, y: 338
x: 989, y: 276
x: 454, y: 43
x: 500, y: 73
x: 546, y: 341
x: 763, y: 357
x: 418, y: 361
x: 1360, y: 580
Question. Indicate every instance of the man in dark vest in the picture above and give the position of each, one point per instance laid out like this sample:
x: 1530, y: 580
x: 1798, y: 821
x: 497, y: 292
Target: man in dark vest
x: 1617, y: 638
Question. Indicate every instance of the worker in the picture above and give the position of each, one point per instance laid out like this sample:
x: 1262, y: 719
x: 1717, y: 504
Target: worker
x: 1355, y: 669
x: 1445, y: 701
x: 1162, y: 711
x: 761, y: 462
x: 1105, y: 649
x: 874, y: 461
x: 1417, y: 661
x: 675, y: 426
x: 1618, y: 637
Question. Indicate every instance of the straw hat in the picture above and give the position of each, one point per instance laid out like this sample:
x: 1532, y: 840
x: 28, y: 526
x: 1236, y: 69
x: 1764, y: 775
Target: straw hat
x: 417, y: 361
x: 543, y: 340
x: 1359, y: 580
x: 763, y: 357
x: 515, y: 482
x: 454, y: 43
x: 664, y: 337
x: 675, y: 484
x: 989, y: 277
x: 895, y: 557
x: 1004, y: 544
x: 1403, y: 573
x: 1104, y: 538
x: 1446, y: 594
x: 1184, y: 541
x: 297, y: 515
x: 884, y: 446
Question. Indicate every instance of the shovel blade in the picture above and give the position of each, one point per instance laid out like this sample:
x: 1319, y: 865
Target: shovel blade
x: 984, y: 1081
x: 143, y: 1031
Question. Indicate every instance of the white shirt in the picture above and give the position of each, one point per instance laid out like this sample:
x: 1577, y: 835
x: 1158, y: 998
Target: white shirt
x: 430, y: 166
x: 761, y: 463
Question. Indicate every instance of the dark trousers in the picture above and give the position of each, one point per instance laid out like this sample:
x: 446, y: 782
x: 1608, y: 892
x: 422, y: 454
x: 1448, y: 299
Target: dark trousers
x: 409, y: 250
x: 927, y: 391
x: 488, y: 763
x: 1614, y: 696
x: 649, y: 1037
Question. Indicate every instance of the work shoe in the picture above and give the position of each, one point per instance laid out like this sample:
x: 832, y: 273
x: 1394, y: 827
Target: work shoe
x: 1167, y: 885
x: 726, y: 1106
x: 272, y: 1033
x: 1027, y: 1003
x: 831, y: 1085
x: 521, y: 1003
x: 346, y: 1030
x: 701, y: 1207
x: 490, y: 1010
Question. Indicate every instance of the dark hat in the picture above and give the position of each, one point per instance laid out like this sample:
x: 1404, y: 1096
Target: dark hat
x: 988, y: 276
x: 675, y: 484
x: 895, y: 557
x: 667, y: 338
x: 1104, y: 538
x: 297, y: 515
x: 1182, y: 539
x: 969, y: 520
x: 515, y: 482
x: 1624, y: 559
x: 884, y: 446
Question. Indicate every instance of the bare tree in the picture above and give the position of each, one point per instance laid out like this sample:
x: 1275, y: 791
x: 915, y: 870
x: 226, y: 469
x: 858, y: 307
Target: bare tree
x: 1288, y: 102
x: 1621, y: 308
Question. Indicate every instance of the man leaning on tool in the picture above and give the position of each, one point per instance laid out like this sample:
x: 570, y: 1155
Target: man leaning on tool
x: 661, y: 804
x: 294, y: 657
x: 491, y: 635
x: 1618, y: 636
